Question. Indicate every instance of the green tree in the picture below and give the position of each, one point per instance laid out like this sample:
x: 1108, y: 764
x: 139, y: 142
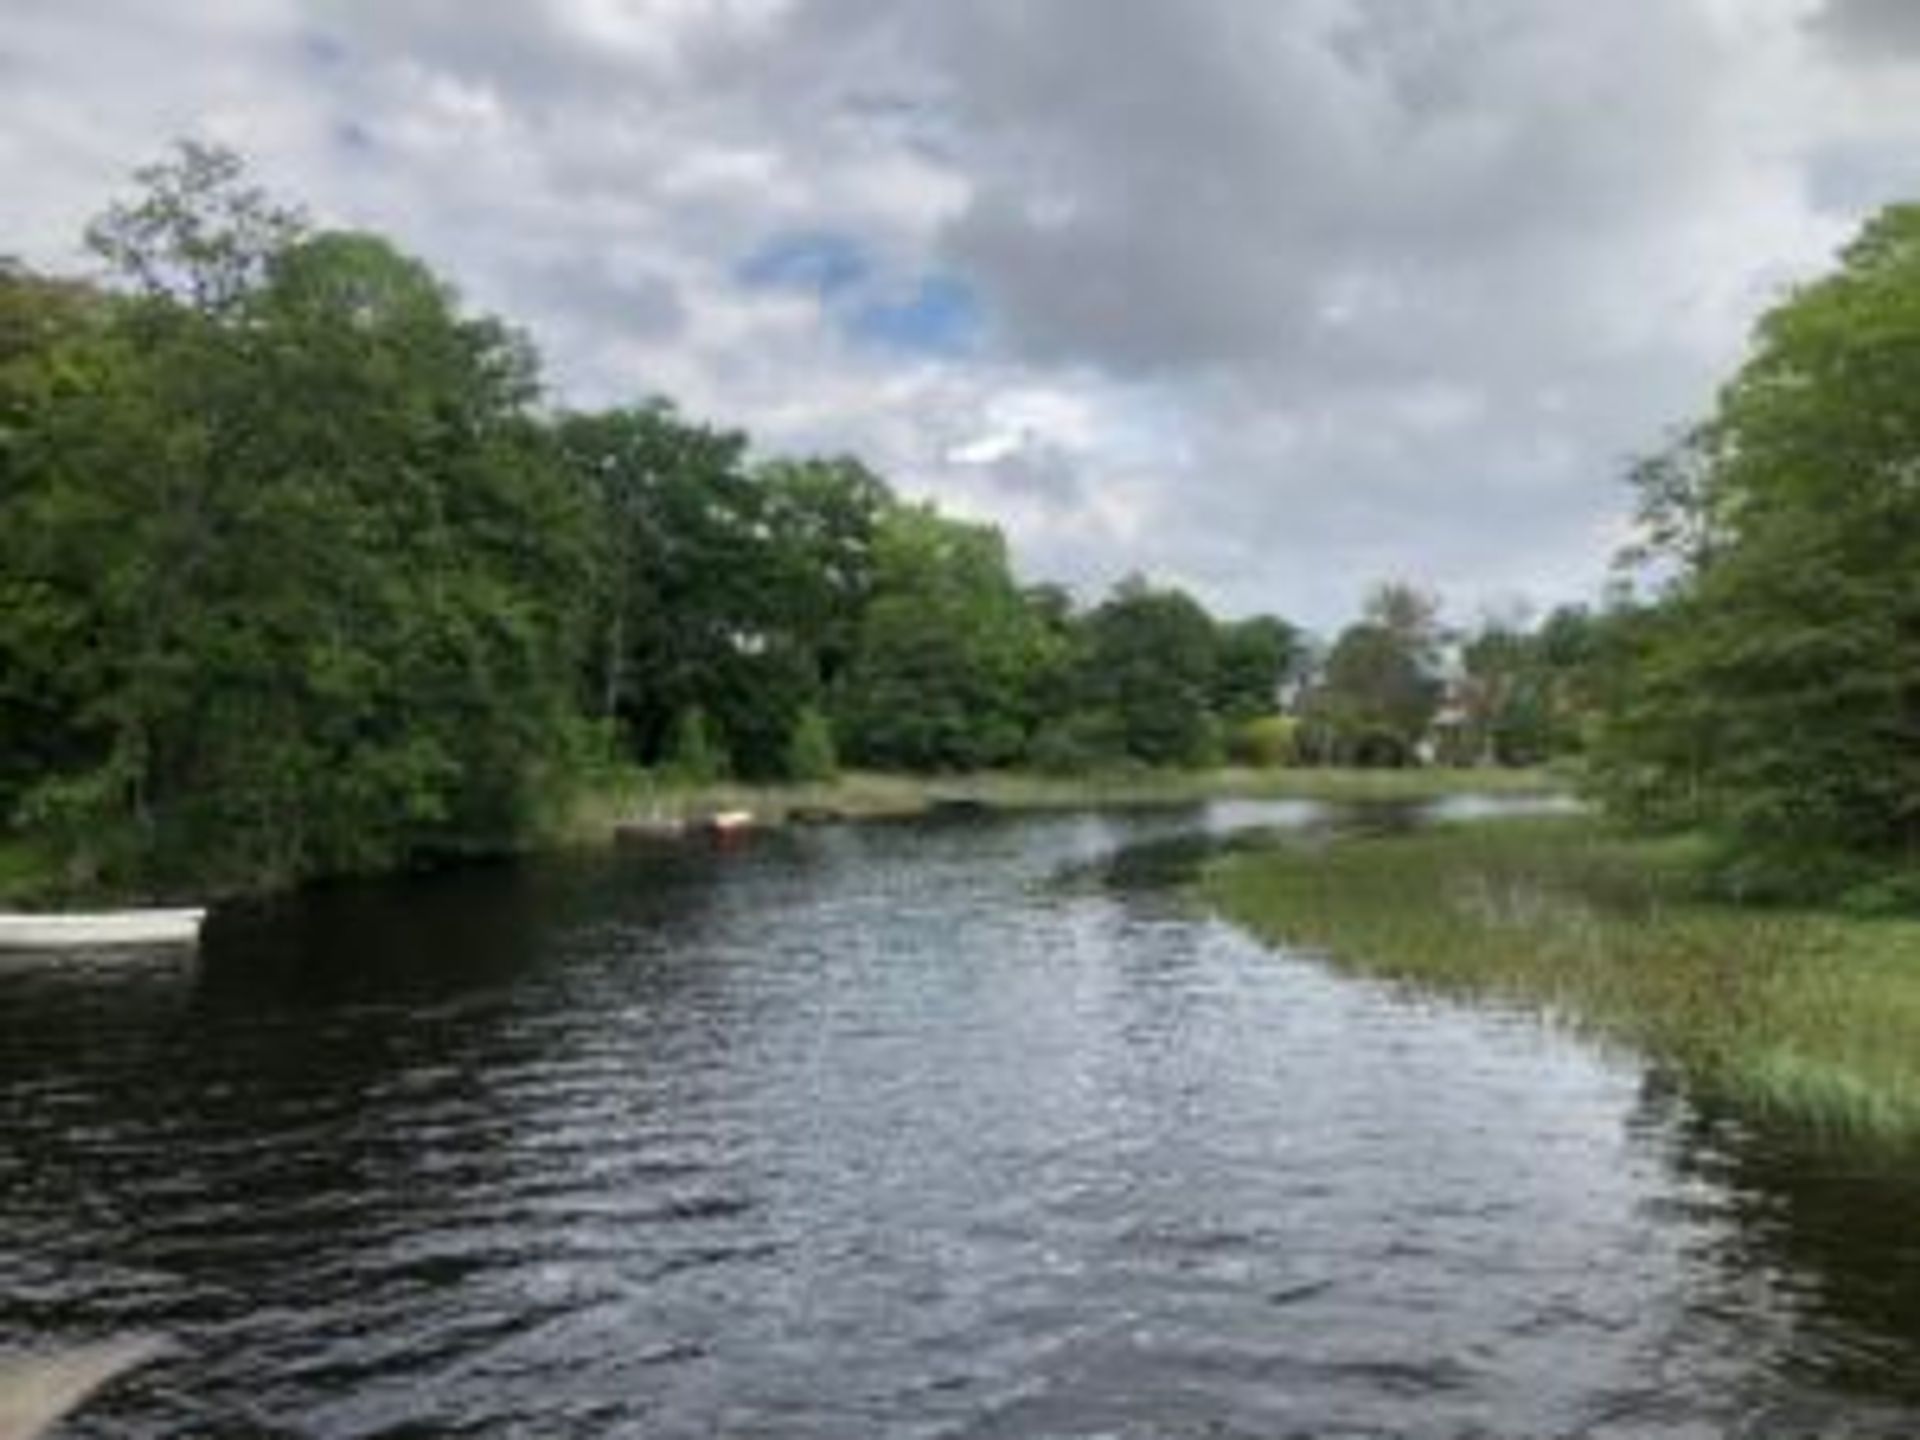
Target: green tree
x: 942, y: 679
x: 1254, y: 661
x: 1148, y: 660
x: 1775, y: 693
x: 694, y: 755
x: 812, y: 757
x: 678, y: 551
x: 1379, y: 688
x: 823, y: 519
x: 55, y: 346
x: 1266, y: 742
x: 1575, y: 651
x: 310, y: 549
x: 739, y: 591
x: 198, y: 234
x: 1506, y: 697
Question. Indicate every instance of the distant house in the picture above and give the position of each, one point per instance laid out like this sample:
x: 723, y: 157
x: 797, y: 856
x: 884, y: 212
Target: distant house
x: 1449, y: 737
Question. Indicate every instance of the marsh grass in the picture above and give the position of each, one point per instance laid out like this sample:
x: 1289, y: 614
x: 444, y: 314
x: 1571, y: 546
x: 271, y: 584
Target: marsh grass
x: 1808, y: 1016
x: 859, y: 795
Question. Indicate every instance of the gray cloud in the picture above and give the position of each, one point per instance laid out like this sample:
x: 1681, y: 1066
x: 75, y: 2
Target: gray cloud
x: 1851, y: 177
x: 1216, y: 183
x: 1870, y: 29
x: 1398, y: 258
x: 1044, y: 474
x: 1278, y: 296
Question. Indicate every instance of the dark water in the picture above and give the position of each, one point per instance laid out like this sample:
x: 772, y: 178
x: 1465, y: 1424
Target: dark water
x: 962, y: 1131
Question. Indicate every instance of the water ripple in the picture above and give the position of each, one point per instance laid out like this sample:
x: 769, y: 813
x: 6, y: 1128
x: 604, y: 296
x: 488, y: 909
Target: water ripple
x: 964, y: 1131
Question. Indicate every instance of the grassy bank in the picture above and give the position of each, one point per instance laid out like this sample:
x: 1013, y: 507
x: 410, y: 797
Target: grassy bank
x: 861, y: 795
x: 1807, y: 1016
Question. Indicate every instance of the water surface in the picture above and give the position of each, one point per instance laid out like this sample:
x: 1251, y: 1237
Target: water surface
x: 970, y: 1130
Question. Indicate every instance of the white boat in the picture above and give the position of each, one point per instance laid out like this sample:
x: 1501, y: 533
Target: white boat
x: 37, y: 1389
x: 107, y: 929
x: 728, y: 822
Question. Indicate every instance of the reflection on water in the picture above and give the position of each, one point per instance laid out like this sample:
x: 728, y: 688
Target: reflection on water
x: 959, y: 1130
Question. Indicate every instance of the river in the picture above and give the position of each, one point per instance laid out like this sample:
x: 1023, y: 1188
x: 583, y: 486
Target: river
x: 962, y: 1130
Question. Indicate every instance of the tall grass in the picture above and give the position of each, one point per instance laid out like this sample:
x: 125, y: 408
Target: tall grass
x: 1813, y: 1017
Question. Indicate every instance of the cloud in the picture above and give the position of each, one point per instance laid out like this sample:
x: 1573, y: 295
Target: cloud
x: 1268, y: 297
x: 1872, y: 30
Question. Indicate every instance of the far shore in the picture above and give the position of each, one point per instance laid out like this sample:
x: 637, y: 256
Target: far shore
x: 867, y: 795
x: 597, y: 815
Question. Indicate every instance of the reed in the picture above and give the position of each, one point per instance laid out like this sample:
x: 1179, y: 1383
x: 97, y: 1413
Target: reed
x: 1811, y: 1017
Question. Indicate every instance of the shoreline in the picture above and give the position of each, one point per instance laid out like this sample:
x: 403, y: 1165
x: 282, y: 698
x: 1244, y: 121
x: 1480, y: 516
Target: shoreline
x: 867, y: 795
x: 1804, y: 1016
x: 594, y: 815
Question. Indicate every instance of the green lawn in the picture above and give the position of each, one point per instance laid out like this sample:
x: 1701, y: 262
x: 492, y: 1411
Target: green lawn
x: 1810, y: 1016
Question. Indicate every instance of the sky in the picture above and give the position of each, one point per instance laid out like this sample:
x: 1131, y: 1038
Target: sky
x: 1271, y: 299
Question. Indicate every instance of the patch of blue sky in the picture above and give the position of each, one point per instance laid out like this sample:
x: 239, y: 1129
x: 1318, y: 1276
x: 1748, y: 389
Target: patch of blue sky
x: 821, y: 261
x: 939, y: 316
x: 931, y: 314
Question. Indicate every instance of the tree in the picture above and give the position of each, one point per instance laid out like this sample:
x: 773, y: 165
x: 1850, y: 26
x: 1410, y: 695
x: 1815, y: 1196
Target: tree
x: 1266, y: 742
x: 1254, y: 660
x: 1149, y: 660
x: 693, y: 755
x: 1505, y: 694
x: 676, y: 545
x: 1411, y: 618
x: 942, y: 678
x: 1776, y: 680
x: 54, y: 341
x: 198, y: 235
x: 1379, y: 688
x: 824, y: 517
x: 309, y: 556
x: 812, y: 757
x: 737, y: 591
x: 1575, y: 647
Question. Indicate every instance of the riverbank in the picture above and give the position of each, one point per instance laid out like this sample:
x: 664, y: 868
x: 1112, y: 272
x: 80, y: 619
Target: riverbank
x: 860, y: 795
x: 29, y: 879
x: 1808, y: 1016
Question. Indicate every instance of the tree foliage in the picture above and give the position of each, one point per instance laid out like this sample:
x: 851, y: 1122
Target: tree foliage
x: 298, y: 557
x: 1380, y: 686
x: 1254, y: 661
x: 1149, y: 662
x: 947, y: 650
x: 1775, y: 683
x: 812, y: 756
x: 298, y: 575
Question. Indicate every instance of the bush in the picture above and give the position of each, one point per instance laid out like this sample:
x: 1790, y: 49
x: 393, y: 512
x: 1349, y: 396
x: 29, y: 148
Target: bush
x: 1079, y: 744
x: 1209, y: 750
x: 1266, y: 743
x: 811, y: 755
x: 694, y: 756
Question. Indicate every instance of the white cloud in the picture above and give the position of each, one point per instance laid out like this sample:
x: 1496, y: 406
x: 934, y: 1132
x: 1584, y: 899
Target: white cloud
x: 1278, y: 296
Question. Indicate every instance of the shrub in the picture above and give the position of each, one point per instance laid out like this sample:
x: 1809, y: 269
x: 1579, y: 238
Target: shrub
x: 1079, y: 744
x: 694, y: 756
x: 811, y: 755
x: 1266, y: 743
